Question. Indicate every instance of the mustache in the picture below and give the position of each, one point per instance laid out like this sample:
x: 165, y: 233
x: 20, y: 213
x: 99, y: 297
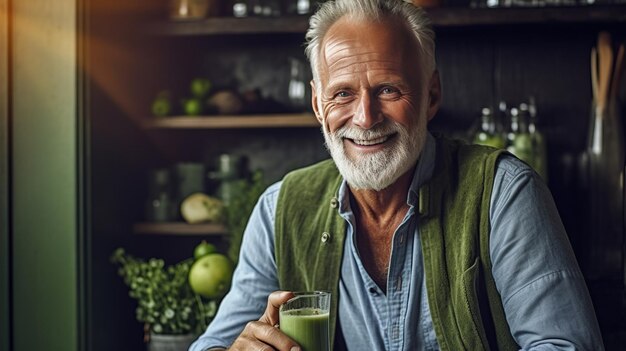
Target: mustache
x: 379, y: 130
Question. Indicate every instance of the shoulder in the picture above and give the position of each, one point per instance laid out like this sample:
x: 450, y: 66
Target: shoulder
x: 270, y: 195
x: 512, y: 173
x: 467, y: 157
x: 320, y: 168
x: 509, y: 165
x: 272, y: 190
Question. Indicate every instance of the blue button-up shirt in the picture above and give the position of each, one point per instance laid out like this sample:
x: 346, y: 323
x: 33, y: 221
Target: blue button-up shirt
x: 543, y: 292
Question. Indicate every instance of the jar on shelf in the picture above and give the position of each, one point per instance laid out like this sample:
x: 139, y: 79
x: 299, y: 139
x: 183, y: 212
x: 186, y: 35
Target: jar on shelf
x: 159, y: 204
x: 231, y: 169
x: 190, y: 178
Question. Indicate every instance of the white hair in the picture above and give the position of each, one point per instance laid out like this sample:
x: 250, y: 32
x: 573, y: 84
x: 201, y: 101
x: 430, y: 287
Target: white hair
x: 330, y: 12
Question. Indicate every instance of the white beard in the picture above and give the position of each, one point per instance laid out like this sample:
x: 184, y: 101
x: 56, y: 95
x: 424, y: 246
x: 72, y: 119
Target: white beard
x: 377, y: 171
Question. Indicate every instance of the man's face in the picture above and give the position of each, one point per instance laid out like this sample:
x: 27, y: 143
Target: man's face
x: 374, y: 101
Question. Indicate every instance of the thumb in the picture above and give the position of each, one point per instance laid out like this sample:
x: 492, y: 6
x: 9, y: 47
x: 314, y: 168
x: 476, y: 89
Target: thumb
x: 274, y: 301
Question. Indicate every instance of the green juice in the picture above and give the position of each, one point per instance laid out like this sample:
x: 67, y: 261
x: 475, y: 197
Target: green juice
x: 308, y: 327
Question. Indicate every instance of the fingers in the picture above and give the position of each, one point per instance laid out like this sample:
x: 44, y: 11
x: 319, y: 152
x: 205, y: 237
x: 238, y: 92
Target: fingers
x: 274, y: 301
x: 262, y: 336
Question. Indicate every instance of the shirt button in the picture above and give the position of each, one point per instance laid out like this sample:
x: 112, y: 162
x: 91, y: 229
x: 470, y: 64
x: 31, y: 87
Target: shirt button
x: 334, y: 202
x: 325, y: 237
x: 373, y: 291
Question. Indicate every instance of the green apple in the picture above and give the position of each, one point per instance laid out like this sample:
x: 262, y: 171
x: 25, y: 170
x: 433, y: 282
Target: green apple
x: 200, y: 207
x: 200, y: 87
x: 192, y: 107
x: 210, y: 275
x: 203, y: 249
x: 162, y: 104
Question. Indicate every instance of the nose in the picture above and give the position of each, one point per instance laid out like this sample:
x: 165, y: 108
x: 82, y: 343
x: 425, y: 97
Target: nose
x: 367, y: 112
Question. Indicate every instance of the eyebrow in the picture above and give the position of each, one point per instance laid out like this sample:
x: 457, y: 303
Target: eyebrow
x: 341, y: 85
x: 338, y: 86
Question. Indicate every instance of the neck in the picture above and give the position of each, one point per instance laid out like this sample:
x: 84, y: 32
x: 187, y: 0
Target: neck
x: 386, y: 203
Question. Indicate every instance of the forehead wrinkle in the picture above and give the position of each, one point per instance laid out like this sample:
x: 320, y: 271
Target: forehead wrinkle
x: 337, y: 51
x: 374, y: 59
x: 346, y: 52
x: 331, y: 44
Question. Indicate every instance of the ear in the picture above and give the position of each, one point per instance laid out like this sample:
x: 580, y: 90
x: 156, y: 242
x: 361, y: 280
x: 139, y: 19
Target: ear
x: 318, y: 115
x: 434, y: 95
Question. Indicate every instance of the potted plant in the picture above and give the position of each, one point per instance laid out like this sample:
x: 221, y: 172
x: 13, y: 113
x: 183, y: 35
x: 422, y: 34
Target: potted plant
x: 172, y: 313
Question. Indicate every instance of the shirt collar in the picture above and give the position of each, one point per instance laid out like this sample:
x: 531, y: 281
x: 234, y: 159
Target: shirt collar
x: 424, y: 169
x: 423, y: 172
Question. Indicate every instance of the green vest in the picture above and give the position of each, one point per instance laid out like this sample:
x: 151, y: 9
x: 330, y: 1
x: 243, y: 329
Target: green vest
x: 453, y: 210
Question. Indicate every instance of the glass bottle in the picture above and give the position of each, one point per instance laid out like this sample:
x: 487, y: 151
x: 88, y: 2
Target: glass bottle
x: 501, y: 118
x: 519, y: 142
x: 605, y: 164
x: 540, y: 150
x: 488, y: 134
x: 297, y: 90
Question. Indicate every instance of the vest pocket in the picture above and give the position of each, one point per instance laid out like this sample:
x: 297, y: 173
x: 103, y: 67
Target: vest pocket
x: 468, y: 310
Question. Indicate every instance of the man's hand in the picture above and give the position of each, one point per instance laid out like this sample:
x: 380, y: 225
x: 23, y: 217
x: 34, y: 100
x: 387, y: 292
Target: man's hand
x: 263, y: 334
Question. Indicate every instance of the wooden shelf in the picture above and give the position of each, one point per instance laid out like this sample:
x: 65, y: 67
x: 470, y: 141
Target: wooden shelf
x: 232, y: 25
x: 180, y: 228
x: 441, y: 17
x: 459, y: 17
x: 239, y: 121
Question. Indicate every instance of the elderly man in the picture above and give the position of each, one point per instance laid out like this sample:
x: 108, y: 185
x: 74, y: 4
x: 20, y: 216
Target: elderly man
x: 425, y: 243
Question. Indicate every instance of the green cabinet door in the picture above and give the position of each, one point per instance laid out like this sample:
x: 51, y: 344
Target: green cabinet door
x: 43, y: 175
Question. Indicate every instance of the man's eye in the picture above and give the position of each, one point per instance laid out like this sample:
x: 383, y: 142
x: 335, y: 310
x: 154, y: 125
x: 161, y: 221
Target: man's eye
x: 342, y: 94
x: 388, y: 90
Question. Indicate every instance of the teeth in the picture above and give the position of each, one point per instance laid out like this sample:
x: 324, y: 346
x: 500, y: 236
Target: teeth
x: 371, y: 142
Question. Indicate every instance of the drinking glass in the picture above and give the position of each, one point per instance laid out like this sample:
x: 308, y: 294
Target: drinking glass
x: 305, y: 319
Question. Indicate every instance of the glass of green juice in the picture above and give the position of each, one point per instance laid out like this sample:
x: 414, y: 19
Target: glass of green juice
x: 304, y: 318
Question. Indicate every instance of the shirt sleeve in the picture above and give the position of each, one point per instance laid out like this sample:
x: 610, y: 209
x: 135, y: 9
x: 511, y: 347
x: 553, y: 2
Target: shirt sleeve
x: 543, y: 291
x: 253, y: 280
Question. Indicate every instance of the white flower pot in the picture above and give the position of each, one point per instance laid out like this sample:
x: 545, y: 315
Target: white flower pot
x: 168, y: 342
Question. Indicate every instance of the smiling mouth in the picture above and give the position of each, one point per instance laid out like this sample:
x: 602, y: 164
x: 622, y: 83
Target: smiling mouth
x: 371, y: 142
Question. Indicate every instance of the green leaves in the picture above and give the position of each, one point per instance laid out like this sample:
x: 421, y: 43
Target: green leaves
x: 245, y: 194
x: 164, y: 299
